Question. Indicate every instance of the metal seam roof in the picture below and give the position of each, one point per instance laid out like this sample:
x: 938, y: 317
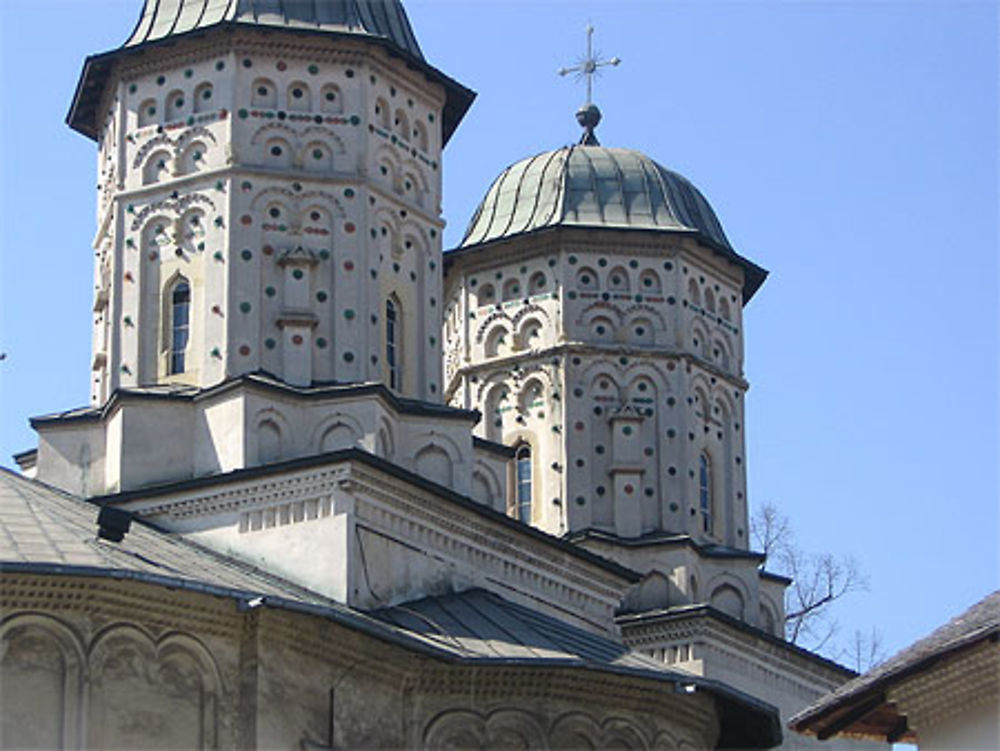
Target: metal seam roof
x: 590, y: 181
x: 382, y: 18
x: 597, y: 187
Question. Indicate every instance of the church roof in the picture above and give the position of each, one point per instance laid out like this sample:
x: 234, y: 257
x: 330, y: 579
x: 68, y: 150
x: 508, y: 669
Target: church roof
x: 44, y: 529
x: 377, y: 18
x: 383, y: 22
x: 480, y: 623
x: 599, y: 187
x: 483, y: 627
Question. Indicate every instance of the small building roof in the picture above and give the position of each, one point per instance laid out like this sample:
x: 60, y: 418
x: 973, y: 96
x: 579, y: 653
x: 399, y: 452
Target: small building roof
x: 861, y: 707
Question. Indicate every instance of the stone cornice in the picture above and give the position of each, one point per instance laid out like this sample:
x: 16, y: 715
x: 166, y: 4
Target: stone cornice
x: 737, y: 640
x: 244, y: 494
x: 331, y: 644
x: 598, y: 350
x: 426, y: 522
x: 658, y: 243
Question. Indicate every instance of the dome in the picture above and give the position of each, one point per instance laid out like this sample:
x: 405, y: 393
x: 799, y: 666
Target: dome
x: 592, y: 186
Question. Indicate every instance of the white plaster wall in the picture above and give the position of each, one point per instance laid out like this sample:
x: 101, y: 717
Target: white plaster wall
x: 311, y: 546
x: 72, y: 458
x: 156, y: 444
x: 220, y: 441
x: 977, y: 728
x: 166, y: 150
x: 620, y: 306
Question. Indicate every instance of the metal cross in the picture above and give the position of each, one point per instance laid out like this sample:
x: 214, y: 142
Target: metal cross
x: 589, y: 65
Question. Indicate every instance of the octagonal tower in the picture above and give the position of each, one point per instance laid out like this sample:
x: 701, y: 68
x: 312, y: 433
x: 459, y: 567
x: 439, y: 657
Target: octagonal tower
x: 593, y: 315
x: 267, y: 271
x: 270, y: 185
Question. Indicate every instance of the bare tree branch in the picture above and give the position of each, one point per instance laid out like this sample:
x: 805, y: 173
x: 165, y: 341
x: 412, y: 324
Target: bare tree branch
x: 770, y: 529
x: 818, y: 580
x: 865, y: 651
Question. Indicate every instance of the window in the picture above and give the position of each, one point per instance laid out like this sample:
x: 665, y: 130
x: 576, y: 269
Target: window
x: 392, y: 324
x: 705, y: 492
x: 180, y: 321
x: 523, y: 458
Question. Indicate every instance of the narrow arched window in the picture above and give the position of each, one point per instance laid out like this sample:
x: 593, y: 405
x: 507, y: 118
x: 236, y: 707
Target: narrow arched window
x: 180, y: 325
x: 705, y: 492
x: 392, y: 342
x: 523, y: 460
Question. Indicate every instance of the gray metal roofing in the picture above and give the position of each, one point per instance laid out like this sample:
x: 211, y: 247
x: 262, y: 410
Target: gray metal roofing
x: 592, y: 186
x: 484, y: 627
x: 981, y: 621
x: 482, y: 624
x: 380, y: 18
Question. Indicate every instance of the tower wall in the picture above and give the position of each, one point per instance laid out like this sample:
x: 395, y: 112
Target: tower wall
x: 618, y: 357
x: 295, y: 189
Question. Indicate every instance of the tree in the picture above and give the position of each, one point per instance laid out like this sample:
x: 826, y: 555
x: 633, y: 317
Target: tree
x: 819, y: 580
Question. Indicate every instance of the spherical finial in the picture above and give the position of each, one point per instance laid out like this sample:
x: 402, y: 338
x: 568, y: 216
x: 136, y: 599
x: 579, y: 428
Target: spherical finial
x: 589, y: 116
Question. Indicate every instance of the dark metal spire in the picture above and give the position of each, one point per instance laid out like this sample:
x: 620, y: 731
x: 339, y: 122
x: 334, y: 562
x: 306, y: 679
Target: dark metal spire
x: 589, y: 66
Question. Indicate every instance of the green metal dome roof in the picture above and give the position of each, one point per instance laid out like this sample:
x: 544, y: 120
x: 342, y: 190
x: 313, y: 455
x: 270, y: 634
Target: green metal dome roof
x: 596, y: 187
x: 592, y: 186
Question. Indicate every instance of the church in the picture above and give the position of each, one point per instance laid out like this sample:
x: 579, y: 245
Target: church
x: 339, y: 487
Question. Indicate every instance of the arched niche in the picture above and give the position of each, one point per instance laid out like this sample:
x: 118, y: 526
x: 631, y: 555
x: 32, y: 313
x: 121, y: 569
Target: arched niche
x: 727, y: 599
x: 43, y: 658
x: 434, y: 463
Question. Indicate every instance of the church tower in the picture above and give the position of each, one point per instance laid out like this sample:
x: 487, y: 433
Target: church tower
x: 321, y: 410
x: 270, y: 197
x: 594, y: 316
x: 267, y: 269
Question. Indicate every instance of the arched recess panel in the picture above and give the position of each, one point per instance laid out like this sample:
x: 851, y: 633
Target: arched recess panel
x: 42, y: 660
x: 269, y: 448
x: 166, y: 685
x: 481, y: 490
x: 339, y: 436
x: 728, y: 599
x: 434, y: 463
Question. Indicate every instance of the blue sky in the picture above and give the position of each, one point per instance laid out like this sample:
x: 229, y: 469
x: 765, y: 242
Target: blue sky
x: 849, y: 148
